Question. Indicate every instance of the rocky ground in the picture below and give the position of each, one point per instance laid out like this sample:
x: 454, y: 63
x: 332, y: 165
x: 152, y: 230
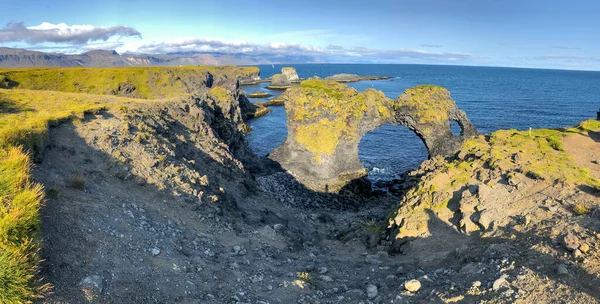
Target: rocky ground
x: 164, y: 204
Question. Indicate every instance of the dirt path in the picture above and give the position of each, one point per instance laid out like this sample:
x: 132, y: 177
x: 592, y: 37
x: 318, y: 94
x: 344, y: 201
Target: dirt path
x: 585, y: 149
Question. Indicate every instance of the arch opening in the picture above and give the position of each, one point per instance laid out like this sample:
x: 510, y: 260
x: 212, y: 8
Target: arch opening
x: 456, y: 128
x: 390, y: 150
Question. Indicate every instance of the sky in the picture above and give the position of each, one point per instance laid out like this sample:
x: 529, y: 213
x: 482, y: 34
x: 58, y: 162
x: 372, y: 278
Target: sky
x: 511, y: 33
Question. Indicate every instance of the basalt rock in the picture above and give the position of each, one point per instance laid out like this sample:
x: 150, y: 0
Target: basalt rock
x: 326, y: 121
x: 285, y: 80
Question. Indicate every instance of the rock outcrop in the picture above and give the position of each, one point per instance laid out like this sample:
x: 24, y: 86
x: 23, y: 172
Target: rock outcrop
x: 285, y: 80
x: 326, y: 121
x: 290, y: 74
x: 354, y: 77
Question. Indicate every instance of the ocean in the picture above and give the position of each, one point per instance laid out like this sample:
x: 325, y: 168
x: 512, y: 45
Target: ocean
x: 493, y: 98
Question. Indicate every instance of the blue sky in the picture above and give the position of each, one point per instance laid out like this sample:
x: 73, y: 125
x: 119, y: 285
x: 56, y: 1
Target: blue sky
x: 524, y: 33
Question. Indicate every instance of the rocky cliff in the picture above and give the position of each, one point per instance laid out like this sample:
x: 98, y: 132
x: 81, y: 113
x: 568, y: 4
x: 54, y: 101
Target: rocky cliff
x: 326, y: 121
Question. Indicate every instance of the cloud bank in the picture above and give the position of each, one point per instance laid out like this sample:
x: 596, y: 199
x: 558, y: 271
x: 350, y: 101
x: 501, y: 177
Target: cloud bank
x: 72, y: 39
x: 62, y: 33
x: 332, y: 53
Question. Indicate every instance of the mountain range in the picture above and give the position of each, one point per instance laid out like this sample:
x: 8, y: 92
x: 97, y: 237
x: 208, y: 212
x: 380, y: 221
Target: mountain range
x: 15, y: 58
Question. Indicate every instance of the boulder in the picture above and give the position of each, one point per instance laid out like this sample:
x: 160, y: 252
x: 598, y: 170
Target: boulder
x: 290, y: 74
x: 284, y: 80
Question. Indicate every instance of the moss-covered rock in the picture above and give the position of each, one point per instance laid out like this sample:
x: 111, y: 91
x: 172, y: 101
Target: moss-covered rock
x: 428, y: 110
x: 325, y: 123
x: 500, y: 174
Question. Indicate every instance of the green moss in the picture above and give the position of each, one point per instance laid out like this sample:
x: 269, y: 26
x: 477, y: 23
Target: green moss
x: 430, y: 104
x: 221, y: 94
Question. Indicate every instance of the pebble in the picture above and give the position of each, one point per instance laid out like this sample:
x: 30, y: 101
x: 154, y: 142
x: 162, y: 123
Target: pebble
x: 93, y: 283
x: 571, y: 241
x: 400, y: 270
x: 155, y: 251
x: 562, y: 269
x: 585, y: 248
x: 326, y: 278
x: 500, y: 282
x: 372, y: 291
x: 412, y: 285
x: 323, y: 270
x: 476, y: 284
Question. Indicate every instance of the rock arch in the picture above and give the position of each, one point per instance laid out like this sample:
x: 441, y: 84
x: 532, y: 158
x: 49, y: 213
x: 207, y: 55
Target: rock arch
x: 326, y: 121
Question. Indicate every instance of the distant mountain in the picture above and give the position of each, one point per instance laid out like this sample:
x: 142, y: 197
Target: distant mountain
x: 14, y: 58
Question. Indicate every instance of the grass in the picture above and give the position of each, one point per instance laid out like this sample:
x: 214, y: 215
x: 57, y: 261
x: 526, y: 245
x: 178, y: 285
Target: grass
x: 20, y: 200
x: 24, y: 122
x: 581, y: 209
x: 149, y: 82
x: 24, y: 119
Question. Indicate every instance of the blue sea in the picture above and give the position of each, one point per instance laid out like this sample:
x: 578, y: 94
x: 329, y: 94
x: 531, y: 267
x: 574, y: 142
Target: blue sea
x: 493, y: 98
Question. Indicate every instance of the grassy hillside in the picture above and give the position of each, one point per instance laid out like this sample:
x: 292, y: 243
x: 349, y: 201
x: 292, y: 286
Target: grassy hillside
x: 138, y: 82
x: 24, y: 119
x: 31, y: 100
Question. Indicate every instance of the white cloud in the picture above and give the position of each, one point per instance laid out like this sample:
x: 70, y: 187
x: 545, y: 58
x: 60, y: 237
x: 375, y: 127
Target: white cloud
x: 63, y: 33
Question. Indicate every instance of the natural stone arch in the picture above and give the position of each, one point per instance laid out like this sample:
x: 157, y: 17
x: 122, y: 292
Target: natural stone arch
x: 326, y: 121
x: 427, y: 110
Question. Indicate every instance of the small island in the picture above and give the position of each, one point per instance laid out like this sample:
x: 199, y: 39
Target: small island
x: 354, y: 78
x: 259, y: 95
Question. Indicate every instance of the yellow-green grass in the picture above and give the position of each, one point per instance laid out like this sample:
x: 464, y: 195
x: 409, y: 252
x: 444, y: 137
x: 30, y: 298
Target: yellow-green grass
x: 25, y: 114
x: 24, y: 119
x: 149, y: 82
x: 20, y: 200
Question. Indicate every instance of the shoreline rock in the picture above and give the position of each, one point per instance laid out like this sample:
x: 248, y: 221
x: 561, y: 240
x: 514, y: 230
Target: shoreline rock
x: 287, y: 79
x: 354, y: 78
x: 259, y: 95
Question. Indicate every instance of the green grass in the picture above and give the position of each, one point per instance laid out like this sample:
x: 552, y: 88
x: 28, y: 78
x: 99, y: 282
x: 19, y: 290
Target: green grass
x: 149, y: 82
x: 20, y: 200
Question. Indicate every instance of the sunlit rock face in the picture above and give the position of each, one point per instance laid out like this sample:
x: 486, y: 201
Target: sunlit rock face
x: 326, y: 121
x: 286, y: 79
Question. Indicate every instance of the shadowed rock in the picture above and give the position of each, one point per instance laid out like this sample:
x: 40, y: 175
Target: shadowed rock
x: 326, y: 121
